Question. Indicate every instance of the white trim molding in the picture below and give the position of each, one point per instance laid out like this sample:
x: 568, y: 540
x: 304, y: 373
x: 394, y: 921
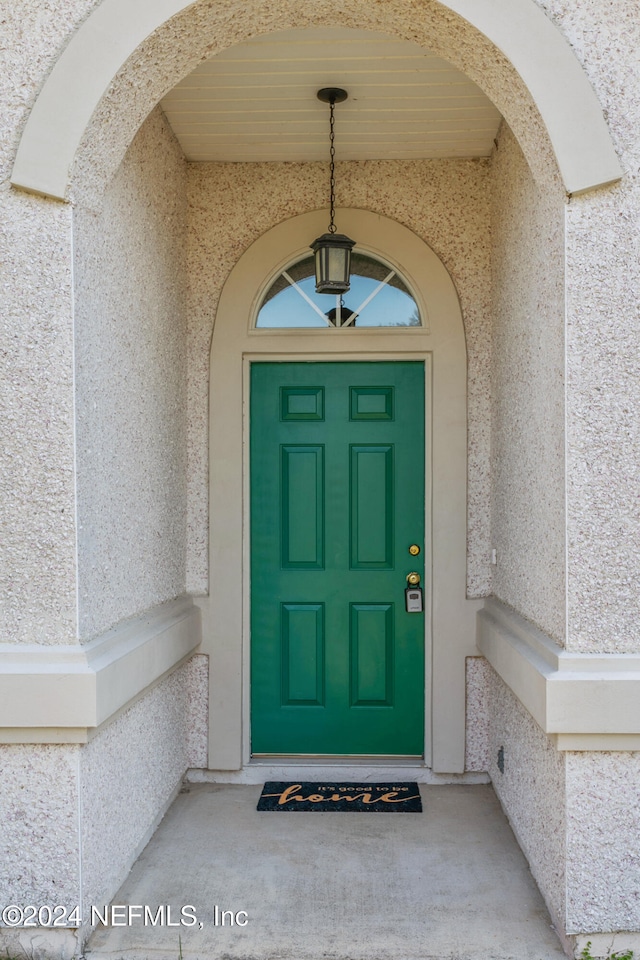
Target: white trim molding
x: 585, y: 701
x: 61, y: 694
x: 107, y: 39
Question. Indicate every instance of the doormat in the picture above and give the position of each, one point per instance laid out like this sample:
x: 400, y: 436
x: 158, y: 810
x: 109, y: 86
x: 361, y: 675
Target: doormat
x: 353, y: 797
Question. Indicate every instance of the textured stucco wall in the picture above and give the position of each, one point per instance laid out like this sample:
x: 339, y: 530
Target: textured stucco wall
x: 37, y: 529
x: 576, y: 815
x: 603, y: 826
x: 603, y: 345
x: 527, y: 434
x: 531, y: 790
x: 131, y: 385
x: 478, y: 714
x: 446, y: 203
x: 39, y: 817
x: 73, y: 817
x: 130, y: 771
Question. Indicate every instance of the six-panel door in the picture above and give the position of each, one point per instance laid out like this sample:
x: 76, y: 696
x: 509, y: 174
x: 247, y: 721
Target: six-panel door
x: 337, y: 499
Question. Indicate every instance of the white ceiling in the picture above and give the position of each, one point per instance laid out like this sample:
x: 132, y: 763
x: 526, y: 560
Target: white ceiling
x: 257, y: 101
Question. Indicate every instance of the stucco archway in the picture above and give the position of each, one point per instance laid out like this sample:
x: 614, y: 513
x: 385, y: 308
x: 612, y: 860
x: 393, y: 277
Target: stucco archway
x: 86, y: 116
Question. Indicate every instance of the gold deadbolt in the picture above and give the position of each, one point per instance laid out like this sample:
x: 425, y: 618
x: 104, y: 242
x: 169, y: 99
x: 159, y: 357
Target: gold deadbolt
x: 413, y: 579
x: 414, y: 549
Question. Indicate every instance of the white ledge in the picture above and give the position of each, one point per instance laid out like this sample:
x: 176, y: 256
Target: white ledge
x: 60, y: 693
x: 586, y: 701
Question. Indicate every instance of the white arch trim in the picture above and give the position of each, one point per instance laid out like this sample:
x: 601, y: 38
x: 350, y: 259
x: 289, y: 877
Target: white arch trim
x: 519, y: 28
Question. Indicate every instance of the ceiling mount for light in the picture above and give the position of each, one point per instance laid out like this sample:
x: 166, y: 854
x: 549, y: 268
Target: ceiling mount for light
x: 332, y: 250
x: 332, y: 95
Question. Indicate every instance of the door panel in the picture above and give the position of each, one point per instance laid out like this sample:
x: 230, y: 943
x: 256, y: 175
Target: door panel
x: 372, y: 507
x: 302, y: 644
x: 302, y: 507
x: 372, y: 649
x: 337, y: 498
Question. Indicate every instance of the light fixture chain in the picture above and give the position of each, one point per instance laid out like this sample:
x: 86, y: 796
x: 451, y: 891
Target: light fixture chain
x: 332, y: 250
x: 332, y: 176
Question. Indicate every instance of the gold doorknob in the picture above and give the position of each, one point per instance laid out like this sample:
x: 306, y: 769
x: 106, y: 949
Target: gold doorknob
x: 413, y: 579
x: 414, y: 549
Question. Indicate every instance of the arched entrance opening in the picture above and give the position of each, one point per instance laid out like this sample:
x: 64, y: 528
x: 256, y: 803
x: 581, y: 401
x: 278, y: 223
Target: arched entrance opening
x: 451, y: 188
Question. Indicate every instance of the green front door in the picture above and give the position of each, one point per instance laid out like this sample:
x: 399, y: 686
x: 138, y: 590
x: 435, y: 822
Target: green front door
x: 337, y: 500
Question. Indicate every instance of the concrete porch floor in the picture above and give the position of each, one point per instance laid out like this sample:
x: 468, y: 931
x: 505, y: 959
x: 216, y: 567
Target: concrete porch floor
x: 448, y: 883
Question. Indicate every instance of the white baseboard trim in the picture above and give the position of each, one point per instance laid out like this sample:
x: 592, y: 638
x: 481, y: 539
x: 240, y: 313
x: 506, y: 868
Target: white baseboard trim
x: 587, y: 701
x: 603, y: 945
x: 59, y: 694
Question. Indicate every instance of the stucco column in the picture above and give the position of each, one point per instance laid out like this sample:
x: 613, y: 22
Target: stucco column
x: 37, y: 512
x: 38, y: 542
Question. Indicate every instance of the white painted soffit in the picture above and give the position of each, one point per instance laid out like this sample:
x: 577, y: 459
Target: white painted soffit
x: 257, y: 101
x: 519, y: 28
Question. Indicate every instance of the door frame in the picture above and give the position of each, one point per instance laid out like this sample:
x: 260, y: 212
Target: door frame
x: 441, y: 343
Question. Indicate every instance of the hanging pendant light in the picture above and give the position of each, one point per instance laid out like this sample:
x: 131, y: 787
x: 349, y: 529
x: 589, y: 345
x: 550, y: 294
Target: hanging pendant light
x: 332, y: 250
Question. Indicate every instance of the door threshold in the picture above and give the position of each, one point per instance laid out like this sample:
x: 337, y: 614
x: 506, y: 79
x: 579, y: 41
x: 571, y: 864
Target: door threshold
x: 348, y: 770
x: 330, y: 758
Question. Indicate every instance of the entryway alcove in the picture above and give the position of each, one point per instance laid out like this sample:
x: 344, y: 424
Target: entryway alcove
x: 189, y: 198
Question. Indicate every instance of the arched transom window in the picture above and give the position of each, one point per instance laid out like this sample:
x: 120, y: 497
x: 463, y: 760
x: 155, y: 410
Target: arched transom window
x: 379, y: 297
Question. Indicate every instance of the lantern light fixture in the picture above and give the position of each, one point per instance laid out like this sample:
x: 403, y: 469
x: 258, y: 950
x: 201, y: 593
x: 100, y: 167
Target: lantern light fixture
x: 332, y: 250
